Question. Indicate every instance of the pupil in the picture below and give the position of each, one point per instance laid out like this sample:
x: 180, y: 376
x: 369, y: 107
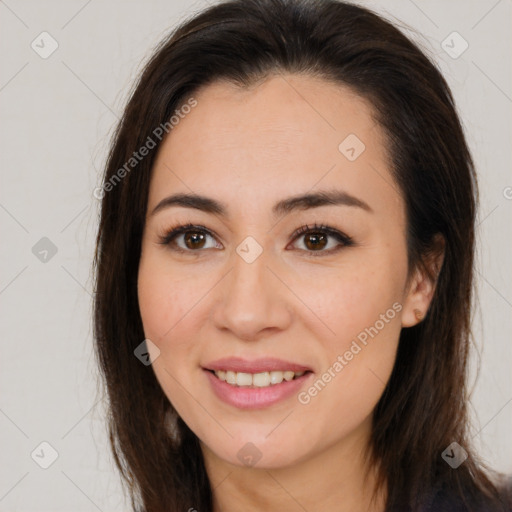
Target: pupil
x: 318, y: 240
x: 193, y: 238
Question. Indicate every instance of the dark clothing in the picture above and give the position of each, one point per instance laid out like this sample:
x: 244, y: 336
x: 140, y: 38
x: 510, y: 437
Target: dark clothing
x: 443, y: 500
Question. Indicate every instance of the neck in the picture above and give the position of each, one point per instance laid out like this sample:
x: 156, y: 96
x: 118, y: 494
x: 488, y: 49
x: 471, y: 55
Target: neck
x: 333, y: 479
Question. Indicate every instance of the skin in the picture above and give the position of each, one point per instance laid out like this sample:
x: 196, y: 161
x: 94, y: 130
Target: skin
x: 250, y: 148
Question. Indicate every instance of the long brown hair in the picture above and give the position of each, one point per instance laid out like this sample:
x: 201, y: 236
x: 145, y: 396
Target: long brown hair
x: 424, y: 406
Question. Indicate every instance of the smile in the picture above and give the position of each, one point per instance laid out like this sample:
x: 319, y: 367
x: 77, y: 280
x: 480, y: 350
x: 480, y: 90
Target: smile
x: 259, y: 380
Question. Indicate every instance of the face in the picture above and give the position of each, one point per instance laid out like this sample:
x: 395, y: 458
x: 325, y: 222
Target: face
x: 263, y: 286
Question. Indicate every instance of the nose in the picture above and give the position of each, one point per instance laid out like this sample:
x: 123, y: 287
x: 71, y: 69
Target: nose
x: 253, y: 301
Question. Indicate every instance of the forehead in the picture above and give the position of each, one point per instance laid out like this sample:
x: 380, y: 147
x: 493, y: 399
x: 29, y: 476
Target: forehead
x: 283, y: 137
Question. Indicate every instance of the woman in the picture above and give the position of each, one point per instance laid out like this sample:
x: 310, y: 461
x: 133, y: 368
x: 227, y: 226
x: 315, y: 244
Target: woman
x: 284, y: 270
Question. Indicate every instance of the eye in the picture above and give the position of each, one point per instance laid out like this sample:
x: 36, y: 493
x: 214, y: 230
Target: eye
x: 193, y: 237
x: 316, y: 238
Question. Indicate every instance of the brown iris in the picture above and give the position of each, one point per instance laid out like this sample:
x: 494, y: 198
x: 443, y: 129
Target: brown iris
x: 315, y: 241
x: 195, y: 238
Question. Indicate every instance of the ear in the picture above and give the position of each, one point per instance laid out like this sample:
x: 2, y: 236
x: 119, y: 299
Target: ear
x: 422, y: 284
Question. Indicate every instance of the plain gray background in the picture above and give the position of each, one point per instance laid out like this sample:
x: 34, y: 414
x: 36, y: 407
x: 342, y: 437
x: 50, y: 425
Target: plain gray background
x: 57, y: 114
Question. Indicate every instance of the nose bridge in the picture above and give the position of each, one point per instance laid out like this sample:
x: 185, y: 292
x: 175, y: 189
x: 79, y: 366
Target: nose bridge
x: 251, y: 299
x: 249, y: 287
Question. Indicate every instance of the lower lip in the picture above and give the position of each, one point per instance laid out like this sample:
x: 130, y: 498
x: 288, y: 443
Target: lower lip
x: 255, y: 398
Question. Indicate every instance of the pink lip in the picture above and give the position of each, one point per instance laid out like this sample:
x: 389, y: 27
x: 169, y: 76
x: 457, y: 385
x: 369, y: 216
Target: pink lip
x: 267, y: 364
x: 255, y: 398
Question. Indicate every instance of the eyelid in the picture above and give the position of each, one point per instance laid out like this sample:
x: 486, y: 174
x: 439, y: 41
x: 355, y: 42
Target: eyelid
x: 173, y: 232
x: 343, y: 239
x: 320, y: 228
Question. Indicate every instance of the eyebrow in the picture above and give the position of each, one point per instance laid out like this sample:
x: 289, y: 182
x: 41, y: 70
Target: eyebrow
x: 299, y: 202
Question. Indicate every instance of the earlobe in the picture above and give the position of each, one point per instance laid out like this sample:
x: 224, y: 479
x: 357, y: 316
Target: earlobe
x: 417, y: 301
x: 419, y: 314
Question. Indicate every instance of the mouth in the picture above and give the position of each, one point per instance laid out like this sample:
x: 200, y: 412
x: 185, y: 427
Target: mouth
x: 255, y: 384
x: 257, y: 380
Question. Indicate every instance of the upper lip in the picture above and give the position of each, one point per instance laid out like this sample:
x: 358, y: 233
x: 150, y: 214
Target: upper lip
x: 266, y: 364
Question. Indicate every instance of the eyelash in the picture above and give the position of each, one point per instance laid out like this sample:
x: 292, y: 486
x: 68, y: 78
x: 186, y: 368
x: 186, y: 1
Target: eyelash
x: 168, y: 237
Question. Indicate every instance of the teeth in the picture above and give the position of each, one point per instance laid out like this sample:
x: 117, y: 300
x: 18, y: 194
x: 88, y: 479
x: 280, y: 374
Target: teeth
x: 243, y: 379
x: 288, y: 375
x: 276, y: 377
x: 260, y: 380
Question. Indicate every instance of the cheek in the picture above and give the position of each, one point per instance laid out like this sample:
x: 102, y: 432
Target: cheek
x: 361, y: 307
x: 171, y: 304
x: 357, y: 365
x: 165, y: 302
x: 348, y: 301
x: 165, y: 299
x: 153, y: 295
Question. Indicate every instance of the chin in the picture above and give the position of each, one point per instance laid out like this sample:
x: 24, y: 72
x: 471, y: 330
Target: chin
x: 260, y: 451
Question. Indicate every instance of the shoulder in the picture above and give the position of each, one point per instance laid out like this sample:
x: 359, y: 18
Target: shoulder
x: 444, y: 499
